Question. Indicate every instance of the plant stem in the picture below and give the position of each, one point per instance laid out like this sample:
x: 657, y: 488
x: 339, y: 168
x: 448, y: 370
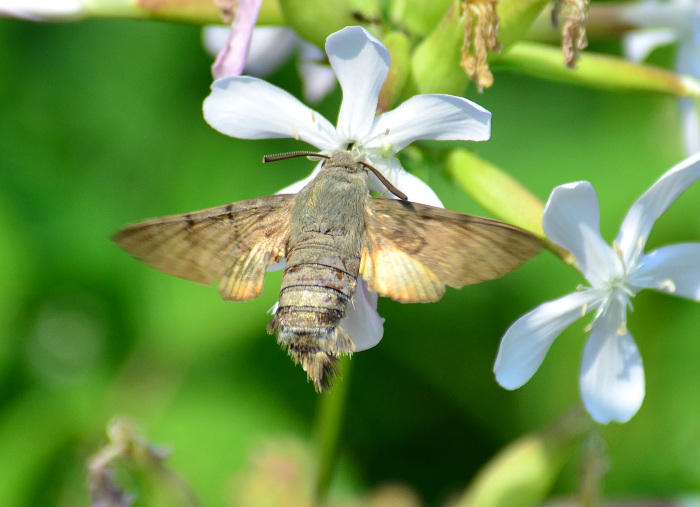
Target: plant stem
x: 329, y: 423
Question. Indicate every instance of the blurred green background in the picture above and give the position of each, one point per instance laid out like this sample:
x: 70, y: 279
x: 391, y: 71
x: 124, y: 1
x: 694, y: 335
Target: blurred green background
x: 101, y: 125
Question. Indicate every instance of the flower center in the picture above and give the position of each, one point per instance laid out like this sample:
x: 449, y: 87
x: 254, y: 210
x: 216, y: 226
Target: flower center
x: 617, y: 289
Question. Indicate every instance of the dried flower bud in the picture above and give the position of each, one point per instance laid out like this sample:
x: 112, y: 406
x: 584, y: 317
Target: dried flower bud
x: 573, y: 32
x: 480, y: 36
x: 228, y: 9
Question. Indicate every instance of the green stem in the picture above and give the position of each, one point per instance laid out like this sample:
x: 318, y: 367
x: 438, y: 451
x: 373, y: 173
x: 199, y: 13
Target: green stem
x: 329, y: 422
x: 594, y: 466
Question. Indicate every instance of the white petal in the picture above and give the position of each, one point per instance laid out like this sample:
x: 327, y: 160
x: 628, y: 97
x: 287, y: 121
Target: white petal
x: 612, y: 374
x: 294, y: 188
x: 277, y: 266
x: 214, y: 38
x: 688, y: 62
x: 674, y: 269
x: 439, y: 117
x: 527, y: 341
x: 233, y: 57
x: 270, y: 47
x: 43, y: 10
x: 652, y: 13
x: 317, y: 79
x: 639, y: 44
x: 250, y: 108
x: 652, y: 204
x: 572, y: 220
x: 690, y: 124
x: 688, y: 59
x: 362, y: 322
x: 361, y: 64
x: 415, y: 188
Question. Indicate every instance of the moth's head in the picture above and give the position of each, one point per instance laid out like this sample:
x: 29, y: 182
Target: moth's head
x: 347, y: 160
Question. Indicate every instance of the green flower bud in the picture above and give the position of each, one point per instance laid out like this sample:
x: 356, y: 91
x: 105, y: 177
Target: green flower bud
x: 496, y: 191
x: 516, y: 17
x: 501, y: 195
x: 314, y: 20
x: 436, y: 60
x: 418, y: 16
x: 523, y: 473
x: 400, y: 50
x: 598, y: 71
x: 184, y: 11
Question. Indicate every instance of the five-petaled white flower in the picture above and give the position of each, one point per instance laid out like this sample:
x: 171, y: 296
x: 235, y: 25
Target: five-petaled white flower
x: 250, y: 108
x: 612, y: 375
x: 665, y: 23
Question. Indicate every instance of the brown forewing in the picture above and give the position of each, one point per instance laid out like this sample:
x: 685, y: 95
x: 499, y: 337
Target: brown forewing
x: 234, y: 243
x: 411, y: 251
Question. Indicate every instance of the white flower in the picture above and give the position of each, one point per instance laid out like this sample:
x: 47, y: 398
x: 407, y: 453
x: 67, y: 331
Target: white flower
x: 612, y: 375
x: 250, y: 108
x: 665, y: 23
x: 270, y: 47
x: 43, y: 10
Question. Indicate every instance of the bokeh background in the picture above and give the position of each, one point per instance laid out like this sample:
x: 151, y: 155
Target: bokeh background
x: 101, y: 125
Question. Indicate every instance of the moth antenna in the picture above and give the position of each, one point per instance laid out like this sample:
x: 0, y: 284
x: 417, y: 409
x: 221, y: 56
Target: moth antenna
x: 391, y: 188
x: 293, y: 154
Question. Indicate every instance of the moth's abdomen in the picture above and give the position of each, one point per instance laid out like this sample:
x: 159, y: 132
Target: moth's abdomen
x: 317, y: 285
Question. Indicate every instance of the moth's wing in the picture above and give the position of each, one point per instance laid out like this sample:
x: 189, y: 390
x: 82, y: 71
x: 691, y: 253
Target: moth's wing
x: 411, y: 251
x: 234, y: 243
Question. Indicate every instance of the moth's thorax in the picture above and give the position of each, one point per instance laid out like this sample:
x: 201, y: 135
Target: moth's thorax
x: 333, y: 202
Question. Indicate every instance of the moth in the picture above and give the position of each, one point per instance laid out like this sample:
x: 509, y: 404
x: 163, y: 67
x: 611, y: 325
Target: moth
x: 330, y: 233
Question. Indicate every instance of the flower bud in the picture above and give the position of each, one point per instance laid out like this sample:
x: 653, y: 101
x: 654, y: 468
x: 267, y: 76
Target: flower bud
x: 418, y: 16
x: 400, y: 50
x: 314, y: 20
x: 516, y: 17
x: 598, y: 70
x: 496, y: 191
x: 436, y: 60
x: 523, y: 473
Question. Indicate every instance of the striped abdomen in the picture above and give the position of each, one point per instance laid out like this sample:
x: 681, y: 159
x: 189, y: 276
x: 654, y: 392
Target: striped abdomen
x: 318, y: 284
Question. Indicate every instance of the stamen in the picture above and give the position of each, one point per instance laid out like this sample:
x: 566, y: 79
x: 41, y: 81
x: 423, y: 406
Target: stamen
x: 589, y: 327
x: 385, y: 149
x: 668, y: 285
x: 296, y: 134
x: 641, y: 241
x: 622, y: 330
x: 584, y: 309
x: 617, y: 249
x: 313, y: 117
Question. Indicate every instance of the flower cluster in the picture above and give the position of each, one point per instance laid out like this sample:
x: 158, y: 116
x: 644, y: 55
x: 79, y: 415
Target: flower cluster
x: 612, y: 376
